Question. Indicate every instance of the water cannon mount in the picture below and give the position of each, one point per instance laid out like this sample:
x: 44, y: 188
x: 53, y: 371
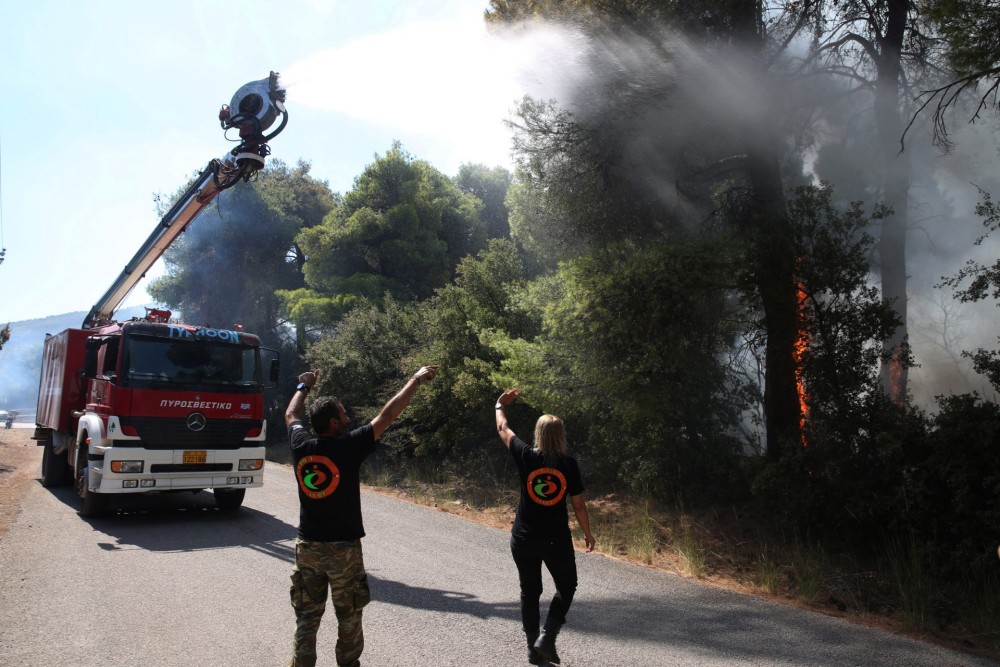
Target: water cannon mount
x: 257, y: 106
x: 157, y: 315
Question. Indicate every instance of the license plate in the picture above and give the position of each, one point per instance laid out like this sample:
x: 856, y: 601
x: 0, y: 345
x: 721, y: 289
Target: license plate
x: 195, y: 457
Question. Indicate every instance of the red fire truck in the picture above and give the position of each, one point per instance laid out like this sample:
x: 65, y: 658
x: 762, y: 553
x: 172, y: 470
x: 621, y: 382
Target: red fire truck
x: 150, y: 405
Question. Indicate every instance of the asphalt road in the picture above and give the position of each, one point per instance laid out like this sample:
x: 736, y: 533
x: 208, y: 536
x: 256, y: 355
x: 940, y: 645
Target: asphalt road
x: 171, y: 581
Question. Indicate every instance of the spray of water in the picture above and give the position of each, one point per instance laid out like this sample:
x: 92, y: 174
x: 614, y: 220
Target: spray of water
x: 451, y: 81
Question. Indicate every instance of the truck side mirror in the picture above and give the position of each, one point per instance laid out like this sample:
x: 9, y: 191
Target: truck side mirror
x: 271, y: 360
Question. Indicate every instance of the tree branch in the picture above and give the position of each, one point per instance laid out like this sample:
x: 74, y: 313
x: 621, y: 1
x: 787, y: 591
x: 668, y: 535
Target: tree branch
x: 946, y: 97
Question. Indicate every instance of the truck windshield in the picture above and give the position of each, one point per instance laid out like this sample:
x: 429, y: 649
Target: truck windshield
x: 151, y: 361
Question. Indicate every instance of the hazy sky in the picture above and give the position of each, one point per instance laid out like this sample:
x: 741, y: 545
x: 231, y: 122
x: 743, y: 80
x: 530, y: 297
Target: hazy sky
x: 106, y: 102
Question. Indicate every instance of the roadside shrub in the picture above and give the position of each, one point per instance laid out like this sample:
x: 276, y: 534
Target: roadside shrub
x: 954, y: 491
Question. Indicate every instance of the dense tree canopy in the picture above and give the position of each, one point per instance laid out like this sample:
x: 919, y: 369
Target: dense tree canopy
x: 401, y: 231
x: 489, y: 186
x: 635, y: 356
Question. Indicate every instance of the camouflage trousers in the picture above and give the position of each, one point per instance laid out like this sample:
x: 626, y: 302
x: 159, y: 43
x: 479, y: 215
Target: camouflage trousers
x: 322, y: 567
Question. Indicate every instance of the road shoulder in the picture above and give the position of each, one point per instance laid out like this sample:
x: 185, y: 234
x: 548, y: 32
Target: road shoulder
x: 20, y: 465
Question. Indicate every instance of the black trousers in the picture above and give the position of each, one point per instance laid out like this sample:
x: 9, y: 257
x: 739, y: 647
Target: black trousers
x: 560, y: 560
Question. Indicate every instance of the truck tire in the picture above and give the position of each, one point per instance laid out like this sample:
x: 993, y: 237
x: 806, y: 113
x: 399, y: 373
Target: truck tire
x: 92, y: 504
x: 229, y: 500
x: 55, y: 467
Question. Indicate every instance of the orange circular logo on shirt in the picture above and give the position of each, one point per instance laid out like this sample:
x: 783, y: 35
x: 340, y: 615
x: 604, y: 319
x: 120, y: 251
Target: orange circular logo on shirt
x: 546, y: 486
x: 318, y: 476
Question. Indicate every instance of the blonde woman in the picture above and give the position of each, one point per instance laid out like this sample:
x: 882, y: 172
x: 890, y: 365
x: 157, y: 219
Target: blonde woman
x: 541, y: 534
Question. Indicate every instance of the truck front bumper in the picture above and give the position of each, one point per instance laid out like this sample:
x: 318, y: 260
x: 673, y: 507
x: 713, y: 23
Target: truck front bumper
x: 136, y: 470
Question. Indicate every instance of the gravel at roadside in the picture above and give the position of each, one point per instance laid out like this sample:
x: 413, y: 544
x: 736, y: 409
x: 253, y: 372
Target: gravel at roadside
x: 20, y: 467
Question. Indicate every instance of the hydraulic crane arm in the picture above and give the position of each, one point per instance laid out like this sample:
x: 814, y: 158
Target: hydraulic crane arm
x: 257, y: 105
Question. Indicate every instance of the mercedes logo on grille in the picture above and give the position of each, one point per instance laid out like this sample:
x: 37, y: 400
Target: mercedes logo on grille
x: 196, y: 421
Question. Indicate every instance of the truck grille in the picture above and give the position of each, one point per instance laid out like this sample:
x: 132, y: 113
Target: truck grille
x: 160, y: 433
x: 190, y: 467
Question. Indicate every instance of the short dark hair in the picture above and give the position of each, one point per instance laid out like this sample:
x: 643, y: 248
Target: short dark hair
x: 322, y: 410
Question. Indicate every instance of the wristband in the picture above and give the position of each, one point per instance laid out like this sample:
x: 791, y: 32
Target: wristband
x: 498, y: 406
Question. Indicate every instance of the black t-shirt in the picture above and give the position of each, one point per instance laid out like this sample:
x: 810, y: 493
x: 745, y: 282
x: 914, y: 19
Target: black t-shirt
x: 328, y: 474
x: 541, y: 509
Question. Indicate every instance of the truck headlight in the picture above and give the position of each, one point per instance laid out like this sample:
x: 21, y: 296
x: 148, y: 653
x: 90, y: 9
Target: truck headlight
x: 251, y: 464
x: 126, y: 466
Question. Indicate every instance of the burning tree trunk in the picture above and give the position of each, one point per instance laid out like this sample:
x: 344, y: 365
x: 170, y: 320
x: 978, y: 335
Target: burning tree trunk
x: 892, y: 240
x: 880, y: 28
x: 775, y: 271
x: 774, y: 252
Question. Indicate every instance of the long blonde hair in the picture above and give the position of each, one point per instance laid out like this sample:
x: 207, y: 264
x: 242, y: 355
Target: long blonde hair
x: 550, y: 438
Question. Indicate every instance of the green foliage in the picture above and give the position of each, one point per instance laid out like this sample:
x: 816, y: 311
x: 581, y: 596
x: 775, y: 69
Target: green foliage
x: 971, y: 28
x: 367, y: 359
x: 575, y: 190
x: 4, y: 335
x: 545, y: 216
x: 306, y: 306
x: 845, y: 497
x: 401, y: 231
x: 842, y: 315
x: 918, y: 493
x: 375, y: 346
x: 955, y: 487
x: 630, y: 354
x: 486, y: 295
x: 489, y: 186
x: 362, y: 362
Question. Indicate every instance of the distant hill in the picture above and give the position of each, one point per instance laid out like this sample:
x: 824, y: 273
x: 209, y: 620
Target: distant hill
x: 21, y: 356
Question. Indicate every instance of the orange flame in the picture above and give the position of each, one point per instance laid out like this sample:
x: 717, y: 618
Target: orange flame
x: 894, y: 378
x: 801, y: 345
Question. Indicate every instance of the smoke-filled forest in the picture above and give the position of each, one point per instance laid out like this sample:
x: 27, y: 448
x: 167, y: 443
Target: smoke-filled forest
x: 748, y: 253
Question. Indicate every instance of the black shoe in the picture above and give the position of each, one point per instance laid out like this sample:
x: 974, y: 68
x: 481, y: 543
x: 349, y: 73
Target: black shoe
x: 533, y: 657
x: 546, y: 646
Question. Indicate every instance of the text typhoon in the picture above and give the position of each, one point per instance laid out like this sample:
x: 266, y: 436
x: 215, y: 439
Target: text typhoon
x: 221, y: 335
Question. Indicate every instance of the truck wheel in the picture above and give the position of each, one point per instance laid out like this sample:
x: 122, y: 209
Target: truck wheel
x: 93, y: 504
x: 229, y: 500
x: 55, y: 467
